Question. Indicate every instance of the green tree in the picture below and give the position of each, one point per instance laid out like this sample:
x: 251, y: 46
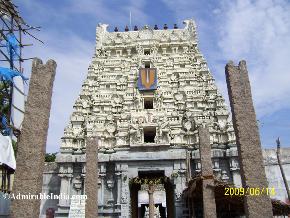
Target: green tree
x: 50, y: 157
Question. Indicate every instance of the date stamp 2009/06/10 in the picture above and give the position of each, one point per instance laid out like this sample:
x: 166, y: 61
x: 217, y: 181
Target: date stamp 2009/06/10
x: 249, y: 191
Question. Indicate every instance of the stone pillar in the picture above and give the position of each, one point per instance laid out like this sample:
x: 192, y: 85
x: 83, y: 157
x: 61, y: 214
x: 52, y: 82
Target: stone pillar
x: 179, y: 184
x: 119, y: 185
x: 84, y: 187
x: 236, y: 177
x: 102, y: 177
x: 64, y: 189
x: 151, y: 201
x: 248, y: 140
x: 32, y: 141
x: 209, y: 206
x: 92, y: 178
x: 192, y: 208
x: 125, y: 193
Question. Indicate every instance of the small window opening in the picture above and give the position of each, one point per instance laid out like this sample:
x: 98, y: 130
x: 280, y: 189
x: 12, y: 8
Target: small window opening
x: 147, y: 64
x: 107, y: 86
x: 119, y: 52
x: 148, y: 103
x: 146, y: 52
x: 149, y: 134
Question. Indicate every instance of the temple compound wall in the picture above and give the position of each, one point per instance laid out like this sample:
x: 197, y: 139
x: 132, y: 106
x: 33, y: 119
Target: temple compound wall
x: 146, y: 93
x: 273, y: 172
x: 51, y: 180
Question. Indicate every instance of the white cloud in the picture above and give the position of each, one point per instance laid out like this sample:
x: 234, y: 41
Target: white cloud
x: 72, y: 64
x: 259, y: 31
x: 72, y: 53
x: 255, y: 30
x: 102, y: 11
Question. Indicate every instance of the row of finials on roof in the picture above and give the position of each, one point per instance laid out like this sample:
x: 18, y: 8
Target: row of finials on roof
x: 155, y: 28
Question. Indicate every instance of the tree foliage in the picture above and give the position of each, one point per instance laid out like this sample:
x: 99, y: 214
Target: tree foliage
x: 50, y: 157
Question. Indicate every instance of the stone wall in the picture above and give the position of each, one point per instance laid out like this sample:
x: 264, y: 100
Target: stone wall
x: 50, y: 185
x: 273, y: 172
x: 51, y: 182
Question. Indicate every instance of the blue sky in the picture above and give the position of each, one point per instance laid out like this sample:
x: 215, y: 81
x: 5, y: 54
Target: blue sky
x: 255, y: 30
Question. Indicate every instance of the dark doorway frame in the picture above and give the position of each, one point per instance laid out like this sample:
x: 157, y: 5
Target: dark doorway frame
x: 168, y: 186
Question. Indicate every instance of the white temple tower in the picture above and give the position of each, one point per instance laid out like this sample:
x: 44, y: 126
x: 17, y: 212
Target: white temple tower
x: 145, y: 94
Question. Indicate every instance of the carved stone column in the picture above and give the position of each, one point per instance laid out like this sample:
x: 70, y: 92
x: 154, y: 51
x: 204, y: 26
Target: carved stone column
x: 32, y: 141
x: 111, y: 185
x: 119, y: 186
x: 179, y: 181
x: 102, y: 200
x: 65, y: 189
x: 236, y: 177
x: 248, y: 139
x: 209, y: 206
x: 125, y: 194
x: 151, y: 201
x: 78, y: 185
x: 232, y: 153
x: 92, y: 178
x: 235, y: 170
x: 83, y: 175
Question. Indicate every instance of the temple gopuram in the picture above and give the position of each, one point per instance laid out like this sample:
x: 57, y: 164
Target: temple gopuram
x: 147, y: 93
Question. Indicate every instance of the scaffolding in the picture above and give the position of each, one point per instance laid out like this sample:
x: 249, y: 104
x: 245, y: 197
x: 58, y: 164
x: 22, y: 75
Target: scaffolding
x: 13, y: 29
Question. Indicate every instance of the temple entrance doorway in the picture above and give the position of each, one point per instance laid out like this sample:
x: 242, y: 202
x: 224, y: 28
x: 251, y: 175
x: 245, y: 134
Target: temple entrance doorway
x: 152, y: 193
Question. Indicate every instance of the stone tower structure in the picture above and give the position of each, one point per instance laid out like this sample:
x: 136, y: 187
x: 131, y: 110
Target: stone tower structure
x: 146, y: 93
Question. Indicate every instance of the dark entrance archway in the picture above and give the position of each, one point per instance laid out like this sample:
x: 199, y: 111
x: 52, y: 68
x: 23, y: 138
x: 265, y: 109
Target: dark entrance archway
x: 147, y: 176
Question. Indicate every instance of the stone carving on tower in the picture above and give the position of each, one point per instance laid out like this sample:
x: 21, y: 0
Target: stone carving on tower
x: 114, y: 106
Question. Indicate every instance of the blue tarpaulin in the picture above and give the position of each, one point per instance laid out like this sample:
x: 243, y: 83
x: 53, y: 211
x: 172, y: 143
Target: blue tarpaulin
x: 12, y: 46
x: 7, y: 74
x: 6, y: 129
